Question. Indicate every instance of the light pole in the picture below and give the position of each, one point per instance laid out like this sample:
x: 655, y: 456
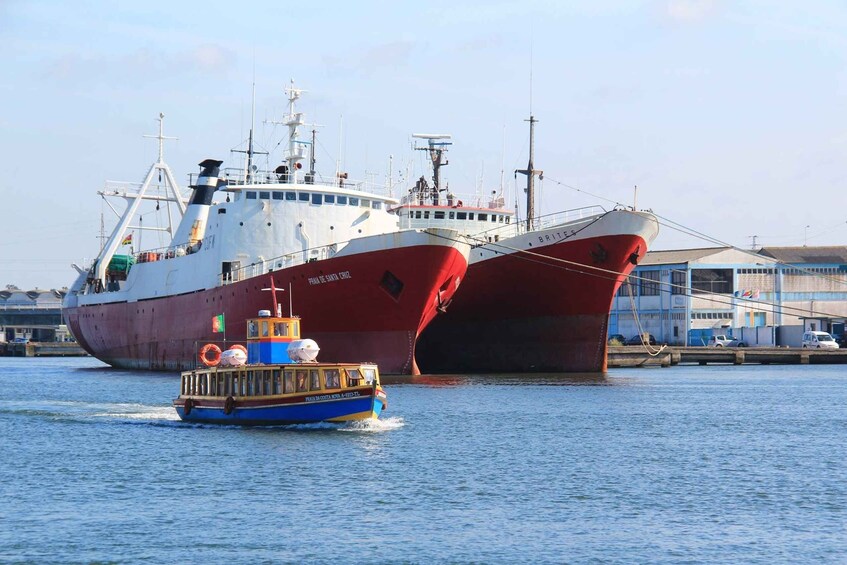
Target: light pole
x: 806, y: 236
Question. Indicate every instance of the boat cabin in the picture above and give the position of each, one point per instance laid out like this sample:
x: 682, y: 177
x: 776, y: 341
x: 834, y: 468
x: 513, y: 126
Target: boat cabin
x: 268, y: 338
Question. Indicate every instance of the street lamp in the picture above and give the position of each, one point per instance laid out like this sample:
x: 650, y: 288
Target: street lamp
x: 806, y: 236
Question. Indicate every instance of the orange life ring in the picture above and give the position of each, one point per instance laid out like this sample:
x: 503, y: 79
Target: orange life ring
x: 214, y: 359
x: 240, y: 348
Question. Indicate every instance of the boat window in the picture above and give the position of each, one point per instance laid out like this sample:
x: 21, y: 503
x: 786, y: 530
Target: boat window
x: 376, y: 205
x: 354, y: 201
x: 302, y: 383
x: 268, y: 382
x: 317, y: 198
x: 251, y: 195
x: 277, y: 382
x: 426, y: 214
x: 303, y: 196
x: 482, y: 217
x: 501, y: 218
x: 265, y: 195
x: 280, y: 329
x: 184, y: 388
x: 333, y: 378
x: 295, y: 330
x: 213, y: 389
x: 277, y: 195
x: 366, y: 203
x: 417, y: 214
x: 288, y: 383
x: 354, y: 377
x: 470, y: 215
x: 452, y: 215
x: 342, y: 200
x: 234, y: 391
x: 370, y: 376
x: 291, y: 196
x: 461, y: 215
x: 493, y: 217
x: 508, y: 219
x: 329, y: 198
x: 439, y: 215
x: 248, y: 384
x: 264, y: 328
x: 316, y: 379
x: 228, y: 385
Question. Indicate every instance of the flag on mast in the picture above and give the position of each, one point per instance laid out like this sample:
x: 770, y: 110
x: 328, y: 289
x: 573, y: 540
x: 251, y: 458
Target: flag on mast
x: 127, y: 240
x: 218, y: 323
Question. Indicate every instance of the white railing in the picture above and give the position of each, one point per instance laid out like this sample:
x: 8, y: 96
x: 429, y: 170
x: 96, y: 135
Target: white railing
x: 459, y: 201
x: 277, y: 263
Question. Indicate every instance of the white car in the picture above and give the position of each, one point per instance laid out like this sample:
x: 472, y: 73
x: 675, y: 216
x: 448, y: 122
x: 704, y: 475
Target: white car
x: 819, y: 340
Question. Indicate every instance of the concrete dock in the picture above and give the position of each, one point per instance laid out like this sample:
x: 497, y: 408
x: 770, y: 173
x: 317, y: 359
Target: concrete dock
x: 635, y: 356
x: 42, y: 349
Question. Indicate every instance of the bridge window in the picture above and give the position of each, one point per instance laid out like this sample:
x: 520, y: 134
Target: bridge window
x: 354, y: 201
x: 493, y: 217
x: 265, y: 195
x: 376, y: 205
x: 470, y: 215
x: 439, y: 215
x: 482, y: 217
x: 277, y: 195
x: 291, y: 196
x: 303, y: 196
x: 317, y: 198
x: 366, y: 203
x: 452, y: 215
x: 508, y: 219
x: 426, y: 214
x: 251, y: 195
x: 342, y: 200
x: 329, y: 198
x: 461, y: 215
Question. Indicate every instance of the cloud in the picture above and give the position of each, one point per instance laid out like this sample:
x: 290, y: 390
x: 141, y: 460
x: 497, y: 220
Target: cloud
x: 690, y: 11
x: 141, y: 65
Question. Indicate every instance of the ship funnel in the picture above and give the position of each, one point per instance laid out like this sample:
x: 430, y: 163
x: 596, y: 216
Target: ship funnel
x: 192, y: 228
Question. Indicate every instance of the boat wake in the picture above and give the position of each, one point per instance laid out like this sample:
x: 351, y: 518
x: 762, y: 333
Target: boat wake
x: 90, y: 412
x: 381, y: 425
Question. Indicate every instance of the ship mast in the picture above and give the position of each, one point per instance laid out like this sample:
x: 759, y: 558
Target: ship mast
x: 294, y: 121
x: 530, y: 173
x: 436, y: 147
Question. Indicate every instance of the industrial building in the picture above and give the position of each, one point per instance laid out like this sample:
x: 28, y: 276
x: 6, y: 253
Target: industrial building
x: 32, y: 315
x: 765, y: 297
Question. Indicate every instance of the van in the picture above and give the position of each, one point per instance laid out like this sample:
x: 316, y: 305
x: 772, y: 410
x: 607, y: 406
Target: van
x: 819, y: 340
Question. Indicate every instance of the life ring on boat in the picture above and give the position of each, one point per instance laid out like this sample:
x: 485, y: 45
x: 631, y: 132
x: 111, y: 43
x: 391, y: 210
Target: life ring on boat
x: 240, y: 348
x: 459, y: 204
x: 214, y: 359
x: 229, y: 405
x: 189, y: 404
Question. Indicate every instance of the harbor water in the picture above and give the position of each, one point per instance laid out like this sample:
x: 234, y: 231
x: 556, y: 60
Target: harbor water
x: 717, y: 464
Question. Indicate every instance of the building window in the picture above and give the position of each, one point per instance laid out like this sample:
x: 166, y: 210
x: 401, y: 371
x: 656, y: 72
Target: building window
x: 678, y: 282
x: 626, y: 287
x: 649, y: 283
x: 705, y: 281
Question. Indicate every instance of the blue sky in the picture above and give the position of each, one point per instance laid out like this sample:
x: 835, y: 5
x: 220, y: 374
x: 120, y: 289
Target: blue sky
x: 729, y: 116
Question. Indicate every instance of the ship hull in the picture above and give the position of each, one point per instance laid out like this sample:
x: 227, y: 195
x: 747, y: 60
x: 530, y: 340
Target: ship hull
x: 538, y: 302
x: 350, y: 305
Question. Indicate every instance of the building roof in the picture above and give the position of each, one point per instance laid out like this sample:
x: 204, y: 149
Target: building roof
x: 836, y: 254
x: 674, y: 256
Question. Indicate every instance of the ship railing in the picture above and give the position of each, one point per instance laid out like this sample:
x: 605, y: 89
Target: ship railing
x: 236, y: 178
x: 565, y: 216
x: 286, y: 261
x: 455, y: 201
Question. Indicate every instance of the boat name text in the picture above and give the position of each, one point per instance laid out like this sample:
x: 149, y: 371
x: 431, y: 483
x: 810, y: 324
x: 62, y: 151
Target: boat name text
x: 331, y: 277
x: 336, y: 396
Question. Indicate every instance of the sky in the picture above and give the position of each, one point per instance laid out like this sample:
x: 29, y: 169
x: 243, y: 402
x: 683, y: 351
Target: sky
x: 729, y: 117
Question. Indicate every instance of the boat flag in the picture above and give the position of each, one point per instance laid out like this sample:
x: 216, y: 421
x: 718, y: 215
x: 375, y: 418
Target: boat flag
x: 218, y: 323
x: 127, y: 240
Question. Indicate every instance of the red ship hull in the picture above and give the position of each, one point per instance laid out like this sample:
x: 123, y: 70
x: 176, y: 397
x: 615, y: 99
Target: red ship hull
x: 345, y: 303
x: 544, y: 311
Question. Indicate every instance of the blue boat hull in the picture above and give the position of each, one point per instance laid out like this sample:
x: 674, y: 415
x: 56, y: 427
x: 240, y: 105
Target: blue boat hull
x: 273, y: 412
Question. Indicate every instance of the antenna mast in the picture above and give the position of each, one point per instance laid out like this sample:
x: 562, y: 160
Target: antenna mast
x: 530, y: 173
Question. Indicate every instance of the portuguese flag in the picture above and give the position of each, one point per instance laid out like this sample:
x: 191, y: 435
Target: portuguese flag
x: 218, y: 323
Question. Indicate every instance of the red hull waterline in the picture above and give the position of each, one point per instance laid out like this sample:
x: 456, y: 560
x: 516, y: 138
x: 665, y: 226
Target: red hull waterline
x: 353, y: 316
x: 521, y: 313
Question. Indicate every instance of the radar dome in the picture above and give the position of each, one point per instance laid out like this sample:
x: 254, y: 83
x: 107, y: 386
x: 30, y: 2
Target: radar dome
x: 303, y: 350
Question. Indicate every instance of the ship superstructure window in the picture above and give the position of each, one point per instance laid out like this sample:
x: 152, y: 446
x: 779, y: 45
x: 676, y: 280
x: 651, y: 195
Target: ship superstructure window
x: 439, y: 215
x: 365, y: 203
x: 315, y: 379
x: 265, y: 195
x: 508, y: 219
x: 317, y: 198
x: 417, y: 214
x: 277, y: 195
x: 494, y: 218
x: 354, y: 201
x: 470, y: 215
x: 342, y: 200
x: 288, y: 381
x: 251, y: 195
x: 291, y: 196
x: 376, y: 205
x: 302, y: 380
x: 461, y: 215
x: 452, y: 215
x: 329, y: 199
x: 333, y: 378
x: 281, y: 329
x: 277, y: 382
x: 482, y: 217
x: 303, y: 196
x: 426, y: 214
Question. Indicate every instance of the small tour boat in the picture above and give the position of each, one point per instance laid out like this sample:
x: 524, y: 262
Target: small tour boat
x: 280, y: 383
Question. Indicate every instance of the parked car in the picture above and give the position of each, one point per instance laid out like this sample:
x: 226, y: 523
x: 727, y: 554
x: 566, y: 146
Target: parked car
x: 726, y: 341
x: 617, y: 339
x: 819, y: 340
x: 636, y: 340
x: 21, y: 340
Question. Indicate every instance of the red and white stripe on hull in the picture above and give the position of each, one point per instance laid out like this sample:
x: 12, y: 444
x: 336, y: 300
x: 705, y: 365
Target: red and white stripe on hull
x: 343, y: 301
x: 538, y: 302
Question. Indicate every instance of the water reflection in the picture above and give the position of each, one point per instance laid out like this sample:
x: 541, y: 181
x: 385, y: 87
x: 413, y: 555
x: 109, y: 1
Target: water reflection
x: 513, y: 379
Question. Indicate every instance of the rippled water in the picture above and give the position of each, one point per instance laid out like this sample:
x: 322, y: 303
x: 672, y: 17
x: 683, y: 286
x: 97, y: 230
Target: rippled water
x: 689, y: 464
